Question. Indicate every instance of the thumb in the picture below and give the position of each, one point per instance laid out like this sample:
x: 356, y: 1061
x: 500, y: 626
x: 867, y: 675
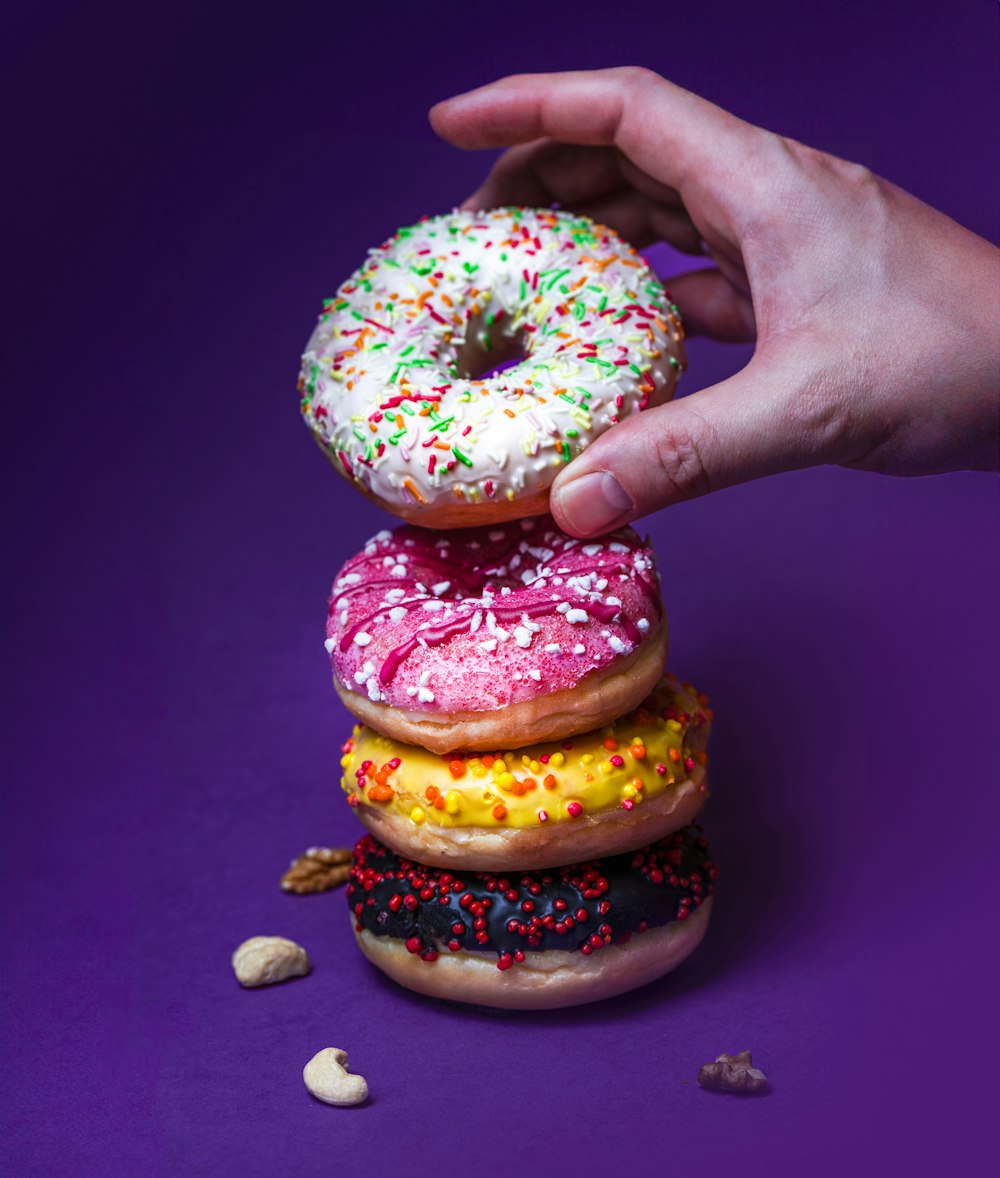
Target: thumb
x: 756, y: 423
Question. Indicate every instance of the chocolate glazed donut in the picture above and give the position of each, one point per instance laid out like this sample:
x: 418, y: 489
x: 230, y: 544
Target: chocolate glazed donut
x: 533, y: 939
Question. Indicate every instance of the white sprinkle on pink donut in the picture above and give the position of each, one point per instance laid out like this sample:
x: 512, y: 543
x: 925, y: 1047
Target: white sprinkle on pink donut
x: 505, y: 631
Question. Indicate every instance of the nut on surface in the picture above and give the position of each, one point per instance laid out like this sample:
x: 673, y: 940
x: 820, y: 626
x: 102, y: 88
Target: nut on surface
x: 318, y: 870
x: 262, y: 961
x: 733, y: 1073
x: 329, y: 1079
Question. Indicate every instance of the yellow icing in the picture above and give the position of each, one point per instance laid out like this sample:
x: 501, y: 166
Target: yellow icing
x: 658, y: 745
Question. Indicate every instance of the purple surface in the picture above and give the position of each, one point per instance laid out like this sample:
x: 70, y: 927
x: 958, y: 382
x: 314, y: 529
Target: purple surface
x: 189, y: 181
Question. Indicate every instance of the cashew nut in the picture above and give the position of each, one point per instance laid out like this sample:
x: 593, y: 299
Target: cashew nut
x: 328, y: 1078
x: 261, y: 961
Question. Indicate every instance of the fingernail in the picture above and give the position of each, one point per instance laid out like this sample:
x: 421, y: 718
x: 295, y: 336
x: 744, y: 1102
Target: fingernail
x: 594, y: 503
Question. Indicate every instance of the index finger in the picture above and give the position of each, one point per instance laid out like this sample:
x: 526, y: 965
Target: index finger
x: 669, y: 132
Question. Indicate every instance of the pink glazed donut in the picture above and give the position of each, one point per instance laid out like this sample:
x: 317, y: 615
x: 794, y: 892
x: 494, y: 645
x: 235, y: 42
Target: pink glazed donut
x: 495, y: 637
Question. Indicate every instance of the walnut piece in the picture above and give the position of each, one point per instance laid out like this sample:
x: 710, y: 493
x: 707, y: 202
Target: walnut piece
x: 733, y: 1073
x: 262, y: 961
x: 329, y: 1079
x: 318, y: 870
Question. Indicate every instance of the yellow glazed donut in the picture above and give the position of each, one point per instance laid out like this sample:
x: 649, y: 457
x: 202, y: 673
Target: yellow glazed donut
x: 601, y: 793
x: 388, y: 383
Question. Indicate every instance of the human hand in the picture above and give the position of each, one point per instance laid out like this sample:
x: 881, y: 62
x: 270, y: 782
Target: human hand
x: 876, y: 318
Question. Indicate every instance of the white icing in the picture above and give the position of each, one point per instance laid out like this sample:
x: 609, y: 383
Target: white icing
x: 389, y: 343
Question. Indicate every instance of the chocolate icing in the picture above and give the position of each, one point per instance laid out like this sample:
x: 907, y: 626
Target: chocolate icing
x: 584, y: 906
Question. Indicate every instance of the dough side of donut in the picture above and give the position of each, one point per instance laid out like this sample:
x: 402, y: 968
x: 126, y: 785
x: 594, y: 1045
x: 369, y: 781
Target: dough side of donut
x: 461, y: 513
x: 600, y: 698
x: 545, y: 980
x: 591, y: 836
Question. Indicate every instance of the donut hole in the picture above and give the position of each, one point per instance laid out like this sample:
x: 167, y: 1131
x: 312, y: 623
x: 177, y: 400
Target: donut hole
x: 496, y: 369
x: 488, y: 351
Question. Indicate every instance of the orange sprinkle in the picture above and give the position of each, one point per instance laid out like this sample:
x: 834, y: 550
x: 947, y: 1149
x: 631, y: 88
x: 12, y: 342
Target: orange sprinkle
x: 439, y: 803
x: 637, y: 783
x: 431, y: 792
x: 510, y: 412
x: 411, y: 486
x: 499, y: 811
x: 458, y: 492
x: 674, y: 755
x: 529, y: 783
x: 488, y: 759
x: 456, y: 768
x: 610, y: 743
x: 399, y: 421
x: 638, y: 751
x: 549, y: 782
x: 379, y: 793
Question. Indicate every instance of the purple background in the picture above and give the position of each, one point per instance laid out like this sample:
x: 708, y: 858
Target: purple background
x: 187, y: 181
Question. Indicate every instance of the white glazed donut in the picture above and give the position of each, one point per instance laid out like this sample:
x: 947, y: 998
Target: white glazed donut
x: 388, y: 377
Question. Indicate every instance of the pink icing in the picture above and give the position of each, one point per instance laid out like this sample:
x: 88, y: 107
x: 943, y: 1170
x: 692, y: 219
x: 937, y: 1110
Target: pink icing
x: 470, y: 620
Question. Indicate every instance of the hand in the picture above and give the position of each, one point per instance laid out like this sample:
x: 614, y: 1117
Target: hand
x: 877, y: 319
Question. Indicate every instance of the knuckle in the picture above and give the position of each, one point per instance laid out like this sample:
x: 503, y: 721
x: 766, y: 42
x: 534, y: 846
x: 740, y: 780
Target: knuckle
x: 632, y: 75
x: 679, y: 456
x: 822, y: 167
x: 635, y: 83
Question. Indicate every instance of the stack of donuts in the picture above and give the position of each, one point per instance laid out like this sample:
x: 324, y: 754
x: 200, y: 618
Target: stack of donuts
x: 527, y: 772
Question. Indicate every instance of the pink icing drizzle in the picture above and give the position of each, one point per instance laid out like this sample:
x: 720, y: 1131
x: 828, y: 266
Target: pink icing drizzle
x: 445, y: 660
